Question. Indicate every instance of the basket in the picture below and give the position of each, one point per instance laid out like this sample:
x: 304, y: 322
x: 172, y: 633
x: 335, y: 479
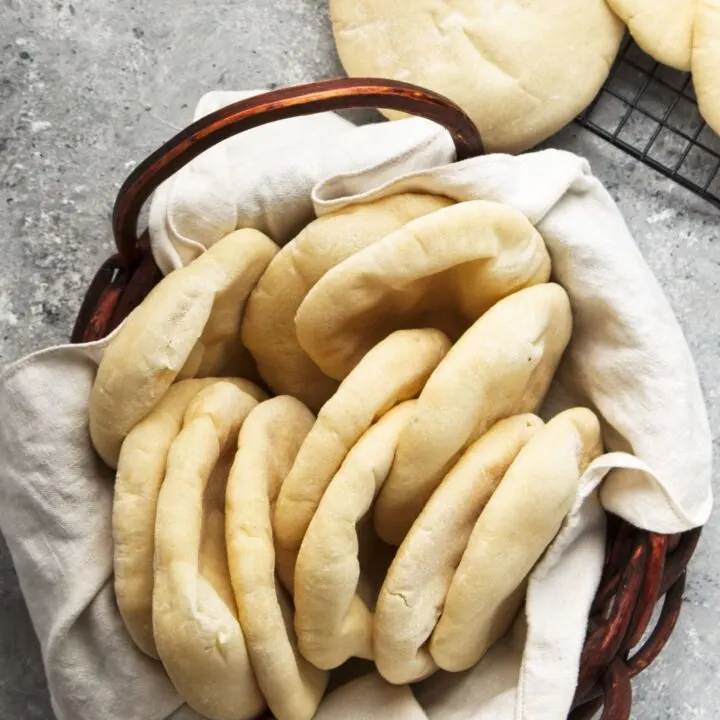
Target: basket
x: 642, y: 570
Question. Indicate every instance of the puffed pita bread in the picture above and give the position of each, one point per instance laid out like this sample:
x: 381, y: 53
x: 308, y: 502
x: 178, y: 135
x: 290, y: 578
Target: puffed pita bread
x: 518, y: 523
x: 520, y: 70
x: 268, y: 328
x: 442, y: 270
x: 188, y: 326
x: 197, y: 632
x: 662, y: 28
x: 140, y: 474
x: 267, y: 445
x: 411, y: 599
x: 332, y: 621
x: 393, y: 371
x: 706, y: 60
x: 502, y: 366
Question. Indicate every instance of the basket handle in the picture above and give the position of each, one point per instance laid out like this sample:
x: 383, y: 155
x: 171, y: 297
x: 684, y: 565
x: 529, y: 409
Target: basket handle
x: 268, y: 107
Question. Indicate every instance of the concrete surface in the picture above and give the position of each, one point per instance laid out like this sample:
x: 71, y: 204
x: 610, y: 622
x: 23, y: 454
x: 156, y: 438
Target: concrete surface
x: 89, y: 88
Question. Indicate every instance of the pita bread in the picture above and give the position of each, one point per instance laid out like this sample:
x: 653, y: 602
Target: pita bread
x: 267, y: 445
x: 332, y: 622
x: 198, y: 636
x: 662, y: 28
x: 188, y: 326
x: 269, y: 325
x: 411, y: 599
x: 520, y: 70
x: 502, y: 366
x: 706, y: 60
x: 518, y: 523
x: 442, y: 270
x: 393, y: 371
x: 140, y: 474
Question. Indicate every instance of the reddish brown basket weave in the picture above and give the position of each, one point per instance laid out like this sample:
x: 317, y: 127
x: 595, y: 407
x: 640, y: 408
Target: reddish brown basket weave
x: 641, y: 569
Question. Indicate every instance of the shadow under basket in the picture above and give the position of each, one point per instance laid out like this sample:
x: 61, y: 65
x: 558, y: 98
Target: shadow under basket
x: 643, y: 571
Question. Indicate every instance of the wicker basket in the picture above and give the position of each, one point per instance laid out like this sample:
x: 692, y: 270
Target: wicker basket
x: 642, y: 569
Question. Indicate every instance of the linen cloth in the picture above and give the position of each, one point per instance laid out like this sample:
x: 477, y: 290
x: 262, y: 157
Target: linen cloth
x: 628, y: 360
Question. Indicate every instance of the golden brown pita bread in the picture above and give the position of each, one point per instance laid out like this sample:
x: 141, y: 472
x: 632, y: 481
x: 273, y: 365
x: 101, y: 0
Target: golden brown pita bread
x: 662, y: 28
x: 517, y: 525
x: 706, y: 60
x: 411, y: 599
x: 443, y: 270
x: 521, y: 69
x: 502, y: 366
x: 332, y: 621
x: 140, y: 474
x: 198, y: 635
x: 269, y: 325
x: 188, y: 326
x: 395, y: 370
x: 267, y: 445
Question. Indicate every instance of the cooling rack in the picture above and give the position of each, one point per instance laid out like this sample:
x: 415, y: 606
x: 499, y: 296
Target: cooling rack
x: 650, y: 111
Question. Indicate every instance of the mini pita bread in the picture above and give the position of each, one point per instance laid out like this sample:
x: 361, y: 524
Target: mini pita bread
x: 188, y: 326
x: 662, y: 28
x: 140, y: 474
x: 332, y: 622
x: 393, y: 371
x: 198, y: 635
x: 411, y: 599
x: 269, y: 325
x: 502, y: 366
x: 706, y: 60
x: 513, y: 531
x: 442, y: 270
x: 267, y: 445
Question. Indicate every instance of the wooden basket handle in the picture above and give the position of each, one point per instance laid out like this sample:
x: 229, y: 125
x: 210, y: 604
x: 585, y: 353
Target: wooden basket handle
x: 268, y: 107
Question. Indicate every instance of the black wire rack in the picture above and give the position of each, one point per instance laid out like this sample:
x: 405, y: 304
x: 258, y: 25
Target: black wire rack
x: 650, y: 111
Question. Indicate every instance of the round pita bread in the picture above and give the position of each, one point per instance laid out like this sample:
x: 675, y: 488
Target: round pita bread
x: 188, y: 326
x: 662, y: 28
x: 140, y: 473
x: 267, y: 445
x: 411, y: 599
x: 520, y: 70
x: 332, y: 622
x: 517, y: 525
x: 269, y: 324
x: 442, y: 270
x: 393, y: 371
x: 706, y: 61
x: 502, y: 366
x: 198, y: 635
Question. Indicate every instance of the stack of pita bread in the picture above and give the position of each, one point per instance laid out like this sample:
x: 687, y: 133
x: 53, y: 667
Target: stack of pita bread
x: 332, y: 451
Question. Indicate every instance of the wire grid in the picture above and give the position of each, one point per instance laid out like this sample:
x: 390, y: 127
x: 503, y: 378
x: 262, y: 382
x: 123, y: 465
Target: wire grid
x: 650, y: 111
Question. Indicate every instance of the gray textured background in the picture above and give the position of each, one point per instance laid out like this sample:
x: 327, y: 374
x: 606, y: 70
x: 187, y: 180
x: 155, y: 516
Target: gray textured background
x: 87, y: 89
